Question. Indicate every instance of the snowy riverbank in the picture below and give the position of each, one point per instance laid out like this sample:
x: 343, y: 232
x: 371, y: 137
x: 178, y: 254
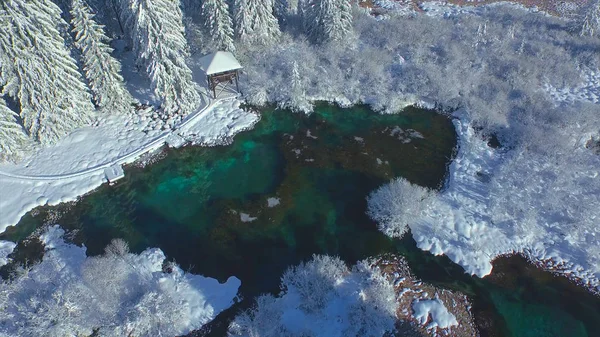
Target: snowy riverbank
x: 117, y: 294
x: 486, y: 211
x: 325, y: 298
x: 75, y: 165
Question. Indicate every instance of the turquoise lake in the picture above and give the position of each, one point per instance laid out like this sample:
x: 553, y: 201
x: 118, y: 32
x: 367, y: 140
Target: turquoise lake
x: 208, y: 209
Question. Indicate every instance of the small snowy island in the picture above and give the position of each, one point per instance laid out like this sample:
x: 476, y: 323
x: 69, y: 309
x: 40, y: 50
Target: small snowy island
x: 90, y: 87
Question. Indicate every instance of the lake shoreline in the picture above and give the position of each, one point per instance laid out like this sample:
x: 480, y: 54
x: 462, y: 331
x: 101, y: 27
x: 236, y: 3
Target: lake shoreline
x: 157, y: 155
x: 303, y: 137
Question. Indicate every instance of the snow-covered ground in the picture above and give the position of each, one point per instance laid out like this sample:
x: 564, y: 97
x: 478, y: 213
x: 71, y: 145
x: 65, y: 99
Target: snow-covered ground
x: 442, y: 8
x: 588, y: 90
x: 457, y: 224
x: 488, y: 210
x: 468, y: 222
x: 440, y: 316
x: 119, y: 293
x: 75, y: 165
x: 539, y: 195
x: 6, y: 247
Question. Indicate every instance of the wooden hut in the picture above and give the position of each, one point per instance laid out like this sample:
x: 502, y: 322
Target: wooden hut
x: 220, y: 67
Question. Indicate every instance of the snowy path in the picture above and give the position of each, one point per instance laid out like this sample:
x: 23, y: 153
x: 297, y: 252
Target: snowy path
x: 158, y: 141
x: 127, y: 158
x: 76, y: 164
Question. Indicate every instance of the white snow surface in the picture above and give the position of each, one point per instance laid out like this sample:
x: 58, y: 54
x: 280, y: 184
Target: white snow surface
x: 472, y: 223
x: 440, y: 316
x: 272, y: 202
x: 219, y: 62
x: 219, y: 124
x: 588, y: 90
x: 396, y: 5
x: 71, y: 294
x: 445, y: 9
x: 244, y: 217
x: 6, y: 247
x: 75, y: 165
x: 457, y: 225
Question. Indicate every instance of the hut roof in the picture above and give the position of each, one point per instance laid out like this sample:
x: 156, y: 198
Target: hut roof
x: 219, y: 62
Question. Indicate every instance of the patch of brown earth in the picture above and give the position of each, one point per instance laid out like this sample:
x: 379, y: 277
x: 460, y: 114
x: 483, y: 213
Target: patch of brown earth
x: 409, y: 288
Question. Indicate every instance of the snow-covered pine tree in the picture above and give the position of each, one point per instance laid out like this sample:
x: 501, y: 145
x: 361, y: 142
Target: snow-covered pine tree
x: 8, y: 76
x: 307, y: 13
x: 13, y: 139
x: 217, y: 21
x: 296, y: 81
x: 126, y: 14
x: 297, y: 100
x: 590, y: 19
x: 45, y: 79
x: 345, y: 13
x: 159, y: 42
x: 327, y: 20
x: 265, y: 27
x: 242, y: 17
x: 282, y: 10
x: 255, y: 21
x: 102, y: 71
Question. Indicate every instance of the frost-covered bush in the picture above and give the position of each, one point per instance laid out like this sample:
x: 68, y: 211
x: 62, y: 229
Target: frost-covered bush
x: 493, y: 63
x: 589, y: 20
x: 323, y: 298
x: 157, y: 31
x: 117, y: 294
x: 314, y: 280
x: 398, y: 204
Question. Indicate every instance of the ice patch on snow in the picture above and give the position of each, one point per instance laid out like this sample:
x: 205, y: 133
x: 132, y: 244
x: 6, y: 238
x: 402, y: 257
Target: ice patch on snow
x: 440, y: 316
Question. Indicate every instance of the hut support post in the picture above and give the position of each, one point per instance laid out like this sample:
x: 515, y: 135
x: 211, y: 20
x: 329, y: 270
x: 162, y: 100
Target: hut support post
x: 237, y: 84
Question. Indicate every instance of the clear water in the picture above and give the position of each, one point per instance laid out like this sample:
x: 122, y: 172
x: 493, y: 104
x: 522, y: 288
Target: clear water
x: 321, y: 168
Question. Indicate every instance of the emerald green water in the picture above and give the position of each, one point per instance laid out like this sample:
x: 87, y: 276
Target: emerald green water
x: 321, y: 168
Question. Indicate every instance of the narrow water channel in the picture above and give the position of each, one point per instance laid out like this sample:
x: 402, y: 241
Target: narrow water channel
x: 296, y: 186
